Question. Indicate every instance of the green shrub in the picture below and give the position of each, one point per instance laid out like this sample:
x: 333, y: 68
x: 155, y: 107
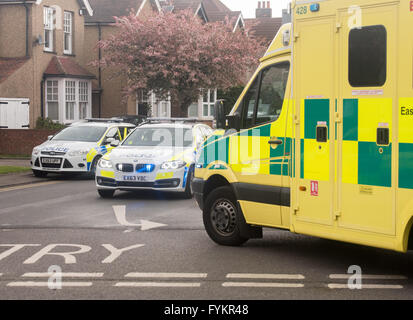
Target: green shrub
x: 48, y: 124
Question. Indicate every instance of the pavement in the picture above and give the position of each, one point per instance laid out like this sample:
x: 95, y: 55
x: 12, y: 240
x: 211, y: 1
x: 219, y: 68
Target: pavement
x: 17, y: 179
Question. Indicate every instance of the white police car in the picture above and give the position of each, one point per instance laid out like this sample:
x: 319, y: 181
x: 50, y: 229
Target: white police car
x: 159, y: 155
x: 78, y: 148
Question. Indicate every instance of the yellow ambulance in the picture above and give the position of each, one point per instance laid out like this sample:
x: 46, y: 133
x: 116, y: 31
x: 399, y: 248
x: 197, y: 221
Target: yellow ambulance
x: 321, y: 140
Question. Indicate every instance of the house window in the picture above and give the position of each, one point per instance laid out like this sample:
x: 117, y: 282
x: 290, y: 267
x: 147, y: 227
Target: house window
x: 70, y: 89
x: 68, y: 33
x: 52, y: 92
x: 208, y: 103
x: 48, y: 15
x: 163, y: 109
x: 83, y: 99
x: 143, y: 103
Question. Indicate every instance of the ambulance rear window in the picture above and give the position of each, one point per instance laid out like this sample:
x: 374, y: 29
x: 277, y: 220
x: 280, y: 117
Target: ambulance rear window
x: 368, y: 56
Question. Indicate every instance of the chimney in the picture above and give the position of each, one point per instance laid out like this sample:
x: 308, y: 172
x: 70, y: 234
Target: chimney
x: 264, y: 10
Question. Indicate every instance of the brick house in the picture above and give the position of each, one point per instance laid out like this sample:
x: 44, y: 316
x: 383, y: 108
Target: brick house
x: 42, y: 62
x: 46, y: 47
x: 108, y: 99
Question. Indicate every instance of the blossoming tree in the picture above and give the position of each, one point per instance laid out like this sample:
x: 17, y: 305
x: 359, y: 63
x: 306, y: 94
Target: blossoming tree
x: 177, y: 55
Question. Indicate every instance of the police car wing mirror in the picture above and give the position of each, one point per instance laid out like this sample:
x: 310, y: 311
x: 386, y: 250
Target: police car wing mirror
x: 50, y: 138
x: 115, y: 143
x: 234, y: 122
x: 108, y: 141
x: 220, y: 118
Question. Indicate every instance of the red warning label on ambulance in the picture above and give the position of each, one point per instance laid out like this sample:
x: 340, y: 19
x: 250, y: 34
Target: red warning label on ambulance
x: 314, y: 188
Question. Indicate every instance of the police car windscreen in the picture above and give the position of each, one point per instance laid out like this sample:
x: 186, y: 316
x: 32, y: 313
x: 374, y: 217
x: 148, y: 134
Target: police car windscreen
x: 81, y: 134
x: 160, y: 137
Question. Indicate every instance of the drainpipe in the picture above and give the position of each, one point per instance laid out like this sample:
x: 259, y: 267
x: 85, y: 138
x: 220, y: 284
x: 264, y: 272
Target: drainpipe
x: 42, y: 98
x: 27, y: 27
x: 100, y: 72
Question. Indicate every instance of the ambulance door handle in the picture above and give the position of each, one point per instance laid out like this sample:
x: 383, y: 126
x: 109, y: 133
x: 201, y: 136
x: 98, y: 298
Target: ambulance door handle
x: 275, y: 142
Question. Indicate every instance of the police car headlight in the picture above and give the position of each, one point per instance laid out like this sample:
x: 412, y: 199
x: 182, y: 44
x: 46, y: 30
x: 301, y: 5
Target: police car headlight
x: 78, y: 153
x: 36, y: 151
x: 173, y: 165
x: 105, y: 164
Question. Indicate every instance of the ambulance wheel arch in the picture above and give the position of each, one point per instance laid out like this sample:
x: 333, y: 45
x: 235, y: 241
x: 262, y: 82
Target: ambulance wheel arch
x: 407, y: 239
x: 214, y: 180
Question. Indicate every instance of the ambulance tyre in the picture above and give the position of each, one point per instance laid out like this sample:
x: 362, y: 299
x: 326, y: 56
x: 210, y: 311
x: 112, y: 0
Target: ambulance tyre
x: 106, y: 194
x: 221, y: 219
x: 39, y: 174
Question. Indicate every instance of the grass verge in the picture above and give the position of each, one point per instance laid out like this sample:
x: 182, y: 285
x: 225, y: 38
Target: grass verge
x: 13, y: 169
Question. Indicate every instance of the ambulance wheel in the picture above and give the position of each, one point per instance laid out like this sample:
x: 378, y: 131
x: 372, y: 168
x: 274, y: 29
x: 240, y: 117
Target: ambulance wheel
x: 189, y: 193
x: 220, y: 216
x: 39, y: 174
x: 106, y: 194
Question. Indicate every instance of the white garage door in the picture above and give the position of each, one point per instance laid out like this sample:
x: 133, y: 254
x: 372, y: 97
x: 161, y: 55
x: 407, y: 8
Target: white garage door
x: 14, y: 113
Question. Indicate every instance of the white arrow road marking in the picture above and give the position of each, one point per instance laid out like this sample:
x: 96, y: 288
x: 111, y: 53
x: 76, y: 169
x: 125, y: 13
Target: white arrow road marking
x: 265, y: 276
x: 63, y: 274
x: 46, y: 284
x: 120, y: 213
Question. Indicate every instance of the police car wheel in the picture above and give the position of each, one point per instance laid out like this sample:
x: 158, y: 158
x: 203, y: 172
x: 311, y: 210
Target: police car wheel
x: 220, y: 217
x: 39, y: 174
x: 92, y: 172
x: 106, y: 194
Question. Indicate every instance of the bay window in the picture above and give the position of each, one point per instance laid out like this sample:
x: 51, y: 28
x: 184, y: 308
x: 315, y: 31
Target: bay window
x: 83, y: 99
x: 52, y: 95
x: 70, y: 88
x: 68, y: 100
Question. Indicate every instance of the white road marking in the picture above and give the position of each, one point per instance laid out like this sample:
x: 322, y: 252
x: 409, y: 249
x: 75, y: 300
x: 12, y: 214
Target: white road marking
x: 265, y: 276
x: 159, y: 284
x: 369, y: 277
x: 28, y: 186
x: 1, y: 274
x: 165, y: 275
x: 262, y: 285
x: 120, y: 213
x: 46, y: 284
x: 366, y: 286
x: 64, y: 275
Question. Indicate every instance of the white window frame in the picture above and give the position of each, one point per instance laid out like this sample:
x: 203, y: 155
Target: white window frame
x: 68, y: 30
x: 210, y: 104
x: 83, y: 99
x: 48, y: 21
x: 55, y: 92
x: 78, y: 99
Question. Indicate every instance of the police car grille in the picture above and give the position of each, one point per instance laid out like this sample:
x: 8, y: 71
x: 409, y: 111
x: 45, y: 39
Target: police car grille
x: 145, y: 168
x: 67, y: 165
x: 131, y: 184
x: 125, y: 167
x: 53, y: 153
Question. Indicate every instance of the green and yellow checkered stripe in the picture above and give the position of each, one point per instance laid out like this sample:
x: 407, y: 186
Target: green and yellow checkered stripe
x: 247, y: 150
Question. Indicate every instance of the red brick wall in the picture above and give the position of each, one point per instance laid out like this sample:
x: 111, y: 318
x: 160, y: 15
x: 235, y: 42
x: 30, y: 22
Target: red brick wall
x: 22, y: 142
